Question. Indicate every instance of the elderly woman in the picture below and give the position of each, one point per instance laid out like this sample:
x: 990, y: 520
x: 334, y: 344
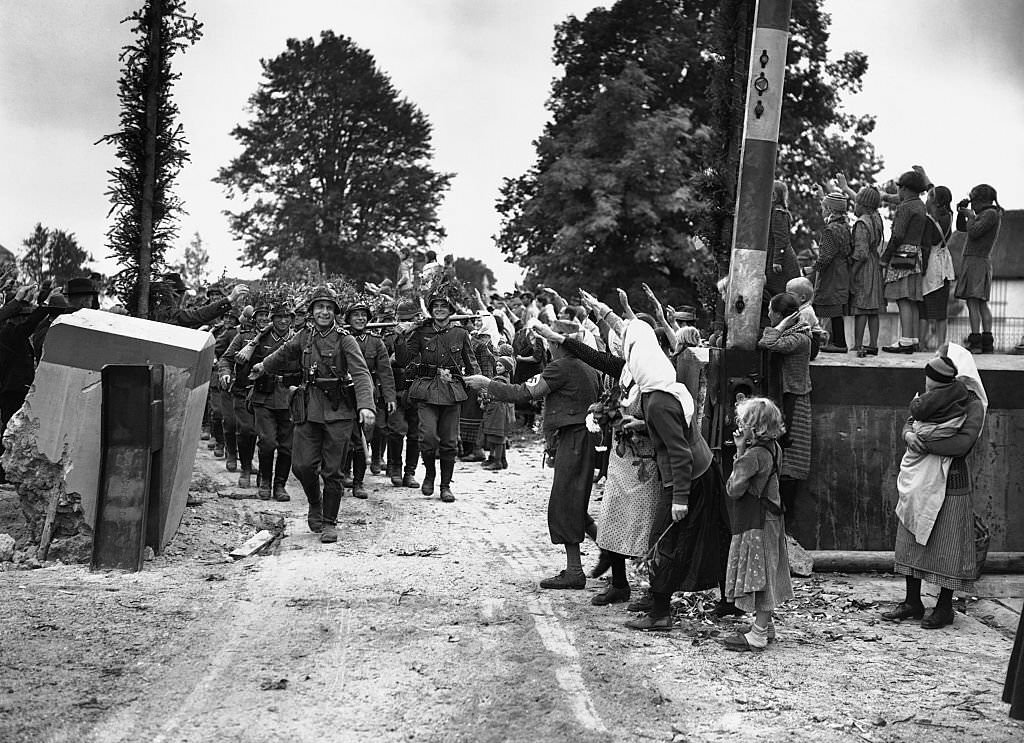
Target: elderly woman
x: 690, y: 534
x: 902, y: 260
x: 832, y: 295
x: 943, y: 552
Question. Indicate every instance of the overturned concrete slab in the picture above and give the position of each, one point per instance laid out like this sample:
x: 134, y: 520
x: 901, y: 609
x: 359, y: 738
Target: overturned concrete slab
x: 53, y: 442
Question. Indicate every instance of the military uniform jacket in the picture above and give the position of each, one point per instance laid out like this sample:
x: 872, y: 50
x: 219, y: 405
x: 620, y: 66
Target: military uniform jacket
x: 240, y: 383
x: 271, y: 390
x: 378, y: 362
x: 444, y: 355
x: 332, y: 351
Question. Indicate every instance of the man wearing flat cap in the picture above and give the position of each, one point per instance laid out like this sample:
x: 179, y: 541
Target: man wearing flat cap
x: 195, y: 317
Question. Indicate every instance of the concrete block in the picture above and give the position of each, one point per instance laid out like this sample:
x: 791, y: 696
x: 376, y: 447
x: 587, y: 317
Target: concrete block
x: 53, y: 442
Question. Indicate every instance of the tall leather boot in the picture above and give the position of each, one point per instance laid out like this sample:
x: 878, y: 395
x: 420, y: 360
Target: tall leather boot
x: 331, y: 504
x: 359, y: 474
x: 230, y: 451
x: 377, y: 443
x: 281, y: 470
x: 447, y: 470
x: 395, y: 460
x: 266, y: 472
x: 246, y: 451
x: 412, y: 458
x: 988, y: 343
x: 974, y: 342
x: 429, y: 475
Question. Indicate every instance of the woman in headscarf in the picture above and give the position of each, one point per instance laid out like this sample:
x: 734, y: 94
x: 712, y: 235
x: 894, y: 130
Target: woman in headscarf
x: 690, y: 535
x: 944, y: 554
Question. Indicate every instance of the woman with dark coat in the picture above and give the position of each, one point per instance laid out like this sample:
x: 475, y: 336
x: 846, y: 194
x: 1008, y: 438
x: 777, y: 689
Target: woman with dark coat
x: 832, y: 293
x: 781, y: 264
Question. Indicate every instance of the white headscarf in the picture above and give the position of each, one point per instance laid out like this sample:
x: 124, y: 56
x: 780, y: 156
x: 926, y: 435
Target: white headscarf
x: 967, y: 371
x: 647, y: 368
x: 489, y: 326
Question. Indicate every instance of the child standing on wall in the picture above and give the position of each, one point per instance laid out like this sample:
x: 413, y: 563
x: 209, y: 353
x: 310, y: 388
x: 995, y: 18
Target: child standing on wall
x: 499, y: 417
x: 802, y: 288
x: 757, y: 574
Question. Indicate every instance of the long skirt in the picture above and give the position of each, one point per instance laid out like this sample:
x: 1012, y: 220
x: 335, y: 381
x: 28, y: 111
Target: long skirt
x: 1013, y: 689
x: 949, y: 559
x: 570, y: 489
x: 757, y: 574
x: 796, y: 456
x: 690, y: 555
x: 630, y: 504
x: 470, y: 418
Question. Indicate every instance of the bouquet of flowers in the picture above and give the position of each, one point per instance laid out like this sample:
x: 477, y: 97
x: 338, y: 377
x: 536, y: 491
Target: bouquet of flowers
x: 607, y: 414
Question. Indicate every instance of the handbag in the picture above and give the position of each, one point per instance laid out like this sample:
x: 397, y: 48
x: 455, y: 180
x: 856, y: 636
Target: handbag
x: 905, y: 257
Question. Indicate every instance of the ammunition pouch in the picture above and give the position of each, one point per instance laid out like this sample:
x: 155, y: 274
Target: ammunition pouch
x: 336, y: 391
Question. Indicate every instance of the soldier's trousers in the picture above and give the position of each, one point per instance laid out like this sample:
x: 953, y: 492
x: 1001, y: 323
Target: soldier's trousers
x: 439, y: 430
x: 273, y: 435
x: 319, y: 449
x: 403, y: 426
x: 245, y: 430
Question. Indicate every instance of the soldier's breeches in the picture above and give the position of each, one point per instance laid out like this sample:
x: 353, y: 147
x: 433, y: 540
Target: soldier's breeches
x: 439, y: 430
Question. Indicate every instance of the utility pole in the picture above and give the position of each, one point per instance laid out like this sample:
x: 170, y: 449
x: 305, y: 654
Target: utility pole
x: 757, y: 172
x: 149, y: 171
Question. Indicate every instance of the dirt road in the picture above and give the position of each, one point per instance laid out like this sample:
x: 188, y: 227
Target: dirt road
x: 425, y: 623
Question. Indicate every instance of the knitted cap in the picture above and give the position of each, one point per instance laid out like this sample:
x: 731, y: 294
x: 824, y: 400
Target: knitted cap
x: 869, y: 198
x: 508, y: 363
x: 941, y: 369
x: 836, y: 202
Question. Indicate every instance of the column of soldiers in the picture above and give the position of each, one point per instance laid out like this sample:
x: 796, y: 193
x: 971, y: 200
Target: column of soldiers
x: 302, y: 389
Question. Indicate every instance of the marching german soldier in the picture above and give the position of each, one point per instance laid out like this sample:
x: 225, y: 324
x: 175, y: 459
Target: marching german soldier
x: 357, y: 316
x: 234, y: 375
x: 270, y: 404
x: 404, y: 424
x: 443, y: 353
x: 335, y: 395
x: 223, y: 333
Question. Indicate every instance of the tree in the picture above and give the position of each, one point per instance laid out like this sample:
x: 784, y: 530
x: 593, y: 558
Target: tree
x: 53, y: 255
x: 194, y: 267
x: 475, y: 274
x: 150, y: 145
x: 636, y: 171
x: 334, y: 164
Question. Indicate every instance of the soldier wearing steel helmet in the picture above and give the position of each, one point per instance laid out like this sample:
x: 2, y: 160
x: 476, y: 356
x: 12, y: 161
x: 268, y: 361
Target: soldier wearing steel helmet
x: 270, y: 403
x: 336, y: 394
x: 357, y: 317
x: 234, y: 375
x: 442, y: 353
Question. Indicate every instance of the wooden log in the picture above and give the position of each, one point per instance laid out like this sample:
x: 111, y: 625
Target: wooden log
x: 254, y: 544
x: 860, y: 561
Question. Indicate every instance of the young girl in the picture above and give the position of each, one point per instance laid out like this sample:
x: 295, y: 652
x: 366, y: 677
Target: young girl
x: 974, y: 283
x: 866, y: 288
x: 498, y: 417
x: 757, y: 575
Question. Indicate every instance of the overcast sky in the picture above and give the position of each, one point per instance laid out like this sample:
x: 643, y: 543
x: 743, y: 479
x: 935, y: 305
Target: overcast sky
x: 944, y: 81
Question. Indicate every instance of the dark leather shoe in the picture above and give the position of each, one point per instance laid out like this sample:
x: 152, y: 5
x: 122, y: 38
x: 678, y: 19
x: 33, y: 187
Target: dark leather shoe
x: 565, y: 580
x: 829, y: 348
x: 898, y: 349
x: 375, y: 468
x: 409, y: 481
x: 264, y: 493
x: 315, y: 519
x: 280, y: 494
x: 937, y: 619
x: 645, y: 604
x: 726, y: 609
x: 651, y: 623
x: 611, y: 595
x: 346, y: 481
x: 903, y: 611
x: 447, y: 496
x: 396, y: 479
x: 428, y: 486
x: 218, y: 452
x: 360, y: 492
x: 603, y: 565
x: 245, y: 480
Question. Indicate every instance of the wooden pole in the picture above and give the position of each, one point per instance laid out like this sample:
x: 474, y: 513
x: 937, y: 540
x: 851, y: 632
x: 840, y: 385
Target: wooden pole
x: 757, y: 172
x: 149, y: 174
